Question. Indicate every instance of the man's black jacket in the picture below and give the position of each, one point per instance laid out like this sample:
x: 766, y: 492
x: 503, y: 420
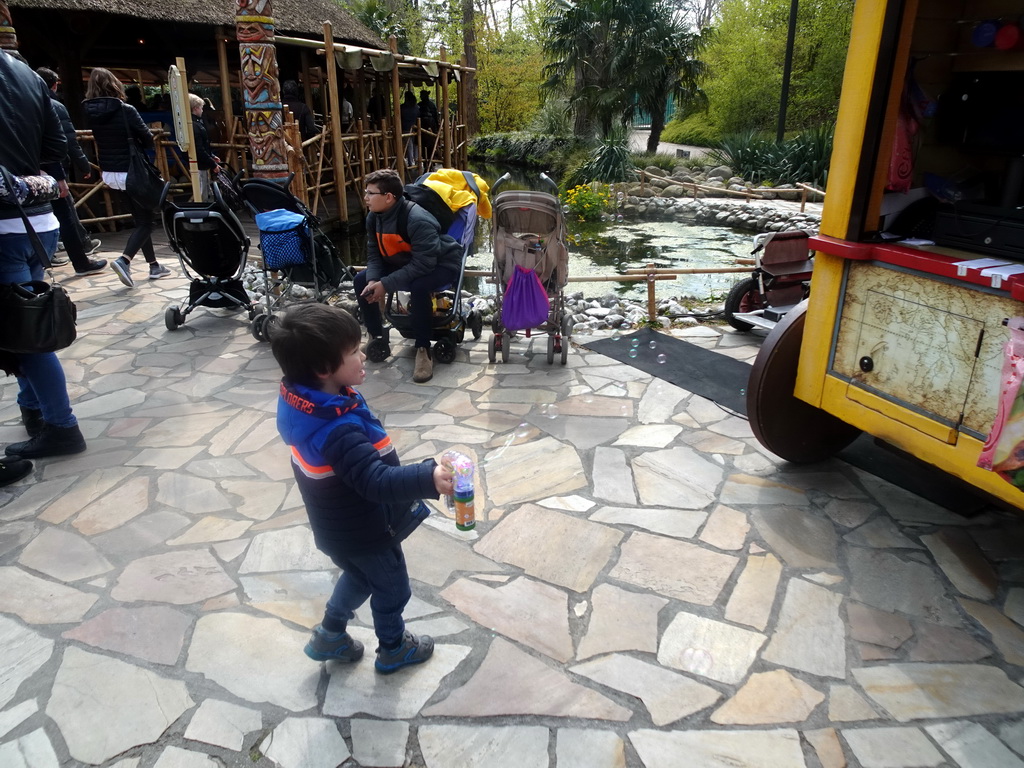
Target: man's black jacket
x: 30, y: 133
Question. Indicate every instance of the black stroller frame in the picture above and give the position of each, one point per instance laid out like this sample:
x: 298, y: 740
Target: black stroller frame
x: 212, y: 248
x: 449, y: 320
x: 324, y: 271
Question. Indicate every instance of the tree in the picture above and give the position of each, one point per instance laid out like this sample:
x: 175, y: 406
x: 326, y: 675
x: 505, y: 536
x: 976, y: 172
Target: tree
x: 668, y: 67
x: 745, y: 56
x: 608, y: 55
x: 509, y: 79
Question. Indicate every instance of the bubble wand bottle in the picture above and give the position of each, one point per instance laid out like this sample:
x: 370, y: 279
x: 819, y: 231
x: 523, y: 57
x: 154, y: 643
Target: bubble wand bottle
x: 461, y: 502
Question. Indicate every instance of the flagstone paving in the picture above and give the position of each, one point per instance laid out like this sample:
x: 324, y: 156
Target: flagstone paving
x: 646, y: 586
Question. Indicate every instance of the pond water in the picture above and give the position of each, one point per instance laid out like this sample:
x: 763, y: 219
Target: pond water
x: 606, y: 248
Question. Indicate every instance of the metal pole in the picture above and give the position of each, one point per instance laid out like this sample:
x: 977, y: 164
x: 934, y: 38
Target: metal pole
x: 787, y: 69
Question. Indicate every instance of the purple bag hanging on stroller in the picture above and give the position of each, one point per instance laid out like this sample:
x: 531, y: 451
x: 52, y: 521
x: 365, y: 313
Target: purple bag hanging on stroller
x: 526, y: 303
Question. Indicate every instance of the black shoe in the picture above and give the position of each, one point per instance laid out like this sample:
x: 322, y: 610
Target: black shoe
x: 52, y: 441
x: 32, y: 418
x: 12, y: 470
x: 91, y: 245
x: 94, y: 266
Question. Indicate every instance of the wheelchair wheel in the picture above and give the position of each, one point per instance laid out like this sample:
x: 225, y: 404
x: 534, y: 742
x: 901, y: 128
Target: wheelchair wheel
x: 444, y: 351
x: 476, y: 324
x: 378, y: 350
x: 173, y: 319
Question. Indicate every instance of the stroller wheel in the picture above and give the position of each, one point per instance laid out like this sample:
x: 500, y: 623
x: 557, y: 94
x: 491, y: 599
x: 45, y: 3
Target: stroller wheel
x: 173, y: 318
x: 492, y: 348
x: 506, y: 346
x: 378, y: 350
x: 444, y: 350
x: 566, y: 332
x: 476, y: 324
x: 551, y: 348
x: 258, y: 328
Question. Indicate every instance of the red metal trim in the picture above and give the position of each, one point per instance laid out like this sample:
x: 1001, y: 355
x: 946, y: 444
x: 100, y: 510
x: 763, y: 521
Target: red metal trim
x: 912, y: 258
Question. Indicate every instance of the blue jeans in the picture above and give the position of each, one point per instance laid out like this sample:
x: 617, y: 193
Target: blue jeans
x: 384, y: 578
x: 42, y: 382
x: 420, y: 310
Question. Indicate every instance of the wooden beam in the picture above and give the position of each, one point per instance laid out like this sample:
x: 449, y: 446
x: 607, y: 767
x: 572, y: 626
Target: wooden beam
x: 396, y: 113
x: 338, y: 148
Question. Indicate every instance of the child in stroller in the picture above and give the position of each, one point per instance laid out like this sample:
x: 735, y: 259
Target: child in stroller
x: 296, y: 251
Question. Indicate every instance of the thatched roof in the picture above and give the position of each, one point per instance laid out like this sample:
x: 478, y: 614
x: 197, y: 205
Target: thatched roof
x: 296, y: 17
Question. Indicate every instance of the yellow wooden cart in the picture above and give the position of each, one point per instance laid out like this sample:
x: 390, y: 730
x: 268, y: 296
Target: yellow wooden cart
x: 905, y: 341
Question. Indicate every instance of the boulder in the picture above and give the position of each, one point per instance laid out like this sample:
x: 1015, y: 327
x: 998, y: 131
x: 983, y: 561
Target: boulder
x: 653, y: 170
x: 721, y: 172
x: 674, y: 191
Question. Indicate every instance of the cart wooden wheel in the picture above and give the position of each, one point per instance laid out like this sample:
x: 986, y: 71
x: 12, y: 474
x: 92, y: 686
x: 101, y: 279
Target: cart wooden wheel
x: 785, y: 425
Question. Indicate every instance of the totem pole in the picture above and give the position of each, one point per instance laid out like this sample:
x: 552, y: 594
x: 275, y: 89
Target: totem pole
x: 7, y: 37
x: 254, y: 28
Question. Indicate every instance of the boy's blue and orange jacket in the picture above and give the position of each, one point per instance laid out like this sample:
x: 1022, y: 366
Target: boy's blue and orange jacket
x: 396, y: 263
x: 358, y: 496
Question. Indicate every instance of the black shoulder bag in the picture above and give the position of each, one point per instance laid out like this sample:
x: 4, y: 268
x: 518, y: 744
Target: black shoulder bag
x: 143, y: 181
x: 35, y: 317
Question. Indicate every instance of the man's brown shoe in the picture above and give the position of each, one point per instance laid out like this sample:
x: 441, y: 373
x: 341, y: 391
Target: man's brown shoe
x: 424, y: 369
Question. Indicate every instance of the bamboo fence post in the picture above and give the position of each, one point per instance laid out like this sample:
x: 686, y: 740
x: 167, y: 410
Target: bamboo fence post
x: 396, y: 112
x: 444, y: 111
x: 651, y: 308
x: 337, y: 148
x: 226, y: 106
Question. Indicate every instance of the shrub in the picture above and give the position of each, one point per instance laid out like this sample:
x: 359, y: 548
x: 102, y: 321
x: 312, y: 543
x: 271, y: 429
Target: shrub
x: 521, y: 148
x: 587, y: 202
x: 552, y: 119
x: 803, y: 158
x: 694, y: 130
x: 610, y: 162
x: 661, y: 160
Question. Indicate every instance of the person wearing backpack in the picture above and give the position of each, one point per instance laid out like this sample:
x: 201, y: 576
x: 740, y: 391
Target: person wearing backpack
x: 405, y: 251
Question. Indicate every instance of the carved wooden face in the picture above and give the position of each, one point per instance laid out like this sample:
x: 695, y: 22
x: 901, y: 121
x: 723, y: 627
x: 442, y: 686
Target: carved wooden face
x: 259, y: 74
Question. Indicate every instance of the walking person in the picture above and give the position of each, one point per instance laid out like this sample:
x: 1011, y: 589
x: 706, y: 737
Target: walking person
x: 409, y: 114
x: 76, y: 241
x: 114, y: 123
x: 30, y: 135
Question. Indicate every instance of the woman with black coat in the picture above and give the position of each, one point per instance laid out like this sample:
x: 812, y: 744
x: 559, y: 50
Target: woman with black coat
x: 114, y: 123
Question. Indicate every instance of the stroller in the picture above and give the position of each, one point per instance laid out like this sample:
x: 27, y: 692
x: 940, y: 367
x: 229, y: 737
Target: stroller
x: 450, y: 318
x: 212, y: 248
x: 529, y: 232
x: 296, y: 252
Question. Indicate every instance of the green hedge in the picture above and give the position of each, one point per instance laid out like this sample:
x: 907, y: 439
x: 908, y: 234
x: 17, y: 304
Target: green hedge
x: 694, y: 130
x: 533, y: 150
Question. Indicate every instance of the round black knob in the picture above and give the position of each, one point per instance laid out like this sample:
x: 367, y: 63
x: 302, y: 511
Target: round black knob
x: 866, y: 364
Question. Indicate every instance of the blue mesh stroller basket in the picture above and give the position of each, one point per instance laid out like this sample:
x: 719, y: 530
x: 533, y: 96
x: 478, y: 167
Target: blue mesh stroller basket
x: 284, y: 238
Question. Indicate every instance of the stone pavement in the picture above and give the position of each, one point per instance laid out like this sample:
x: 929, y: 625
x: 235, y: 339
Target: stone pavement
x: 646, y: 585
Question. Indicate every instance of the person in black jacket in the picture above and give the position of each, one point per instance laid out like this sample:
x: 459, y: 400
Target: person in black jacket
x: 205, y: 159
x: 76, y: 240
x: 30, y: 135
x: 114, y: 123
x: 361, y: 502
x: 300, y: 110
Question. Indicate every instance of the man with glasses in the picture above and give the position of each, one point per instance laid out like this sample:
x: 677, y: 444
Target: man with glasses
x: 419, y: 260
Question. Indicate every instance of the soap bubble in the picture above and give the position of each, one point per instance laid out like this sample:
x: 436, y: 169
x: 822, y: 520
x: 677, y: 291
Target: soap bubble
x: 698, y: 661
x: 565, y: 209
x: 743, y: 391
x: 662, y: 358
x: 550, y: 411
x: 653, y: 344
x: 523, y: 430
x: 604, y: 217
x: 621, y: 196
x: 616, y: 335
x: 620, y: 218
x: 635, y: 342
x: 632, y: 352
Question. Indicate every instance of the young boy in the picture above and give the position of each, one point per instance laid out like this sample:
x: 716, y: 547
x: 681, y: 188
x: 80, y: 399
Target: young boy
x: 361, y: 503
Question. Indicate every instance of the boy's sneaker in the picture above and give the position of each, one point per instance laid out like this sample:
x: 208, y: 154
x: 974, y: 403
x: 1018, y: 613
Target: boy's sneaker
x: 340, y: 646
x: 92, y: 245
x: 413, y: 650
x: 122, y: 268
x: 156, y: 271
x: 94, y: 266
x: 59, y: 261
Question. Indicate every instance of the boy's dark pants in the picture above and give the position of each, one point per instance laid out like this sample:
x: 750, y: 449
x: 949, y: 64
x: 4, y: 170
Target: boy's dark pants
x: 383, y: 578
x: 419, y: 310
